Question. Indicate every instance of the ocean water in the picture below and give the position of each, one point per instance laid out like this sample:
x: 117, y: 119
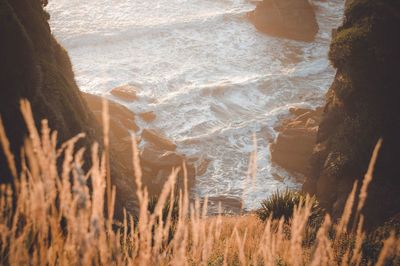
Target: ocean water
x: 212, y: 79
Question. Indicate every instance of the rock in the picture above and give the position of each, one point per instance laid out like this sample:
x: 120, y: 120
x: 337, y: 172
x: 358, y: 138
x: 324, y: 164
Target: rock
x: 148, y: 116
x: 161, y: 159
x: 158, y: 164
x: 294, y: 145
x: 158, y: 139
x: 230, y: 205
x: 298, y: 111
x: 126, y: 93
x: 121, y: 118
x: 117, y: 129
x: 294, y: 19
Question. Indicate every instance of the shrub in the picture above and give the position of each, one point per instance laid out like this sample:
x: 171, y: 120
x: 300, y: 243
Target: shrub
x: 282, y: 204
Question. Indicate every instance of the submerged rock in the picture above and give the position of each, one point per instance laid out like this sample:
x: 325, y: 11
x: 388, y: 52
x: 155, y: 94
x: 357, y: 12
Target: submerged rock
x: 297, y: 136
x: 293, y: 19
x: 126, y: 93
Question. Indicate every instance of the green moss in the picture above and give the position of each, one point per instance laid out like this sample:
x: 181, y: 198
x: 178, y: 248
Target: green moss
x: 349, y: 44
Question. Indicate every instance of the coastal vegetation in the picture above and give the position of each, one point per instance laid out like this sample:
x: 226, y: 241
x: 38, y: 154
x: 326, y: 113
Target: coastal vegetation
x: 58, y: 217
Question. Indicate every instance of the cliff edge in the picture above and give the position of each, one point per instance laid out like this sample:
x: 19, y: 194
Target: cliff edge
x: 362, y: 105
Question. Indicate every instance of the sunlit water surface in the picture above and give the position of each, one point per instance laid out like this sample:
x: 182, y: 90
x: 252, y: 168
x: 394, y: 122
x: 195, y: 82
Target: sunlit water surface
x: 210, y: 77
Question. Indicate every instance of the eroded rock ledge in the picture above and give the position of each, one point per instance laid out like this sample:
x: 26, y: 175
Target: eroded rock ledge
x: 297, y: 136
x: 293, y: 19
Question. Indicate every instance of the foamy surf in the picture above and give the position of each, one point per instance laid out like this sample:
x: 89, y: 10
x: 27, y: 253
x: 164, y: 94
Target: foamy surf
x: 210, y: 77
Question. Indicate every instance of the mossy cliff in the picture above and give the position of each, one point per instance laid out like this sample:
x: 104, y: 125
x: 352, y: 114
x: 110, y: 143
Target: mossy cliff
x: 34, y: 66
x: 362, y: 105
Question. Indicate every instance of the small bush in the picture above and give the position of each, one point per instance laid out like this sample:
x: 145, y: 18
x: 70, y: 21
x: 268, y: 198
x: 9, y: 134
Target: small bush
x: 281, y: 205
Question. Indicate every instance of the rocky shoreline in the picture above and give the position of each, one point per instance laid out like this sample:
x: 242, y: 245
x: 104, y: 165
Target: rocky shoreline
x: 158, y: 154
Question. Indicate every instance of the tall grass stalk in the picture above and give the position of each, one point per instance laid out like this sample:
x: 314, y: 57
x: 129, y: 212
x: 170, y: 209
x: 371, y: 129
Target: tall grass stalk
x: 51, y: 217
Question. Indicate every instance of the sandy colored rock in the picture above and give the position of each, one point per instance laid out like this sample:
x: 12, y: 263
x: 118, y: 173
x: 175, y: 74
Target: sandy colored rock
x: 148, y: 116
x: 126, y: 93
x: 121, y: 118
x: 159, y: 158
x: 158, y: 139
x: 293, y: 19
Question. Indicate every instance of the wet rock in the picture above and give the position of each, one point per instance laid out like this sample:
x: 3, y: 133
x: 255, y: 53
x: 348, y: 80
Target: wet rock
x: 126, y: 93
x: 121, y: 118
x: 294, y: 19
x: 297, y: 136
x: 158, y: 139
x: 158, y: 165
x: 229, y: 205
x: 159, y: 158
x: 148, y: 116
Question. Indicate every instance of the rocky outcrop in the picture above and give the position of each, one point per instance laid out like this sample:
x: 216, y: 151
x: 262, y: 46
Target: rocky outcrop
x: 293, y: 19
x: 35, y: 67
x: 297, y: 136
x: 362, y: 105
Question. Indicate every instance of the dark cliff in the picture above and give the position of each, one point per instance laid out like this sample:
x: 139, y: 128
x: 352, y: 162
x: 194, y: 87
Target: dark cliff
x: 34, y: 66
x: 362, y: 105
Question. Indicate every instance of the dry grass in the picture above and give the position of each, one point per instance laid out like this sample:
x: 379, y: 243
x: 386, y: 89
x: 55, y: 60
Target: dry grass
x: 52, y: 218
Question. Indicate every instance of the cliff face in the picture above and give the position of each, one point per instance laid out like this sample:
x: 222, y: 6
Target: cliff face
x: 34, y: 66
x: 362, y: 106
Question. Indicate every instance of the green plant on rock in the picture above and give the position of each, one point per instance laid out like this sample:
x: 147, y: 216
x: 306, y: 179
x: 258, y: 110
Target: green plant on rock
x: 281, y: 205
